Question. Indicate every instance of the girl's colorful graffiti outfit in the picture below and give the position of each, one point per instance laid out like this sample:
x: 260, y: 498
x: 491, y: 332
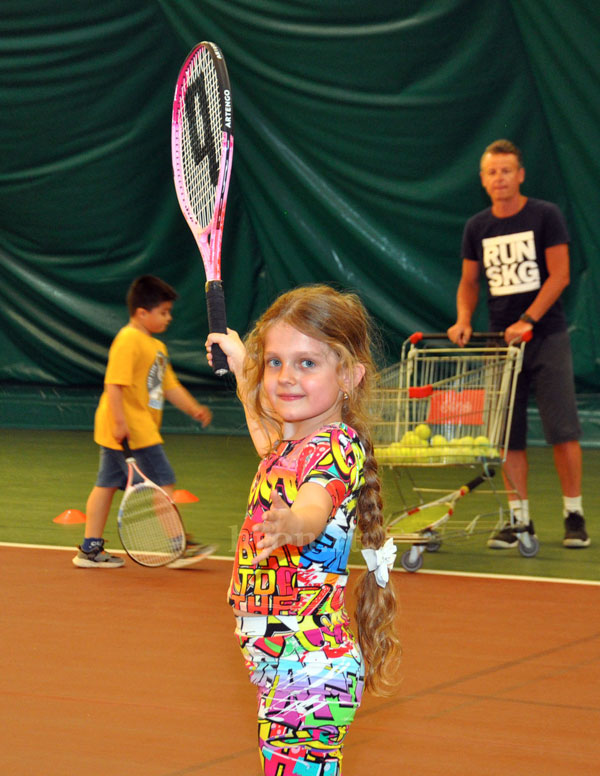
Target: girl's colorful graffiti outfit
x: 300, y: 650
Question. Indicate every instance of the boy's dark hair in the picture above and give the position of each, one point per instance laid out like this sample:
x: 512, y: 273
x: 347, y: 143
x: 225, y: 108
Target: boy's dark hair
x: 148, y: 292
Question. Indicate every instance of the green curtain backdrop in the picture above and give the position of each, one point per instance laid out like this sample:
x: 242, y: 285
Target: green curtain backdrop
x: 358, y: 127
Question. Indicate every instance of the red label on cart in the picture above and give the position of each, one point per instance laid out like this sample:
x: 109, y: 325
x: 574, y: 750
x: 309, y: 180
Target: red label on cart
x: 457, y: 407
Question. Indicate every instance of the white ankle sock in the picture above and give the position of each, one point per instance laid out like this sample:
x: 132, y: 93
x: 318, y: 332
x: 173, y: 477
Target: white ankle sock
x: 572, y: 505
x: 520, y: 510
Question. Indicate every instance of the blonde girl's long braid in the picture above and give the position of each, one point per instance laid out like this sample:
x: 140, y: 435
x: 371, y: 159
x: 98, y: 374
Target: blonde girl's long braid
x: 376, y: 607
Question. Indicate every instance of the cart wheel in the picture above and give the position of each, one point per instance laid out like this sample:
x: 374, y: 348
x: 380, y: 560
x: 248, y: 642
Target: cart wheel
x: 409, y: 563
x: 434, y: 544
x: 530, y: 547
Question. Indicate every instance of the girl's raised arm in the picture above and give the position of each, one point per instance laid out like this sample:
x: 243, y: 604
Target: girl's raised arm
x: 234, y: 349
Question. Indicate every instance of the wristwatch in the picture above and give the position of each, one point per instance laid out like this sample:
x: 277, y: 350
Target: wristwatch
x: 528, y: 319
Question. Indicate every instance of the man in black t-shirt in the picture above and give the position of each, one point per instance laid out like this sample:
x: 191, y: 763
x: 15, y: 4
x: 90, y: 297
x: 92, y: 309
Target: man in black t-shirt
x: 520, y: 247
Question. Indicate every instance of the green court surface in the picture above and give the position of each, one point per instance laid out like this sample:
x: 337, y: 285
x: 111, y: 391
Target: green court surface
x: 45, y: 473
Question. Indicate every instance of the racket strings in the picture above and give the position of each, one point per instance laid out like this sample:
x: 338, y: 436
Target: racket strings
x: 202, y: 131
x: 150, y: 527
x: 427, y: 516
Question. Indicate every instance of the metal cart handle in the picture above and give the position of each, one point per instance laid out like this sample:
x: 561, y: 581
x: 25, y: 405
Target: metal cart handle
x: 418, y: 336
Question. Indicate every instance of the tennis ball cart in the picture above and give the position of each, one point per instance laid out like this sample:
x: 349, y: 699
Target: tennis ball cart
x: 447, y: 408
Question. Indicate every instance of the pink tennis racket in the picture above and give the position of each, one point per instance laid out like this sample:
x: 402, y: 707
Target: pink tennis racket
x: 202, y: 156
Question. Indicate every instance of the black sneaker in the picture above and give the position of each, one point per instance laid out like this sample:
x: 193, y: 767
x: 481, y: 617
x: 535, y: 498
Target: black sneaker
x: 507, y: 537
x: 575, y: 533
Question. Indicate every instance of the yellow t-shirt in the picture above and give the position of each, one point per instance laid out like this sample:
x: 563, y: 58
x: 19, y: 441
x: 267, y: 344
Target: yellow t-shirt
x: 140, y: 364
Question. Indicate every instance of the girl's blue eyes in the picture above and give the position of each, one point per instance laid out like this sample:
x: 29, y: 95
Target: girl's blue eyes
x: 306, y: 363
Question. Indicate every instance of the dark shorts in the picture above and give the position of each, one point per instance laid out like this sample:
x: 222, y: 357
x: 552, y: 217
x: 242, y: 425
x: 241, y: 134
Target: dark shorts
x: 547, y: 374
x: 112, y: 472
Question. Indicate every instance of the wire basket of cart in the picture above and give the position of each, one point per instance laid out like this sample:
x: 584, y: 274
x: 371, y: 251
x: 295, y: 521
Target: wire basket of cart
x: 445, y: 406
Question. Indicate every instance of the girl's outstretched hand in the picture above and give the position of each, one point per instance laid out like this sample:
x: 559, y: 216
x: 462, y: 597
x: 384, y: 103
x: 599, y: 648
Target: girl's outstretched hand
x: 231, y: 345
x: 297, y: 525
x: 275, y: 528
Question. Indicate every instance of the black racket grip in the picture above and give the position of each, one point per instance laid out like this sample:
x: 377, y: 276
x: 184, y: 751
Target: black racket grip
x: 477, y: 481
x: 217, y: 321
x: 126, y: 448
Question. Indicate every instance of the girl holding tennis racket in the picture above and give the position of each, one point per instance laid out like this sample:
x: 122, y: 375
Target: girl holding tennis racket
x: 303, y: 376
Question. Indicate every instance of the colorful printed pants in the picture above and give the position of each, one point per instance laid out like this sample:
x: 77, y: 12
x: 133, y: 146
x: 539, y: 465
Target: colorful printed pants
x: 310, y: 674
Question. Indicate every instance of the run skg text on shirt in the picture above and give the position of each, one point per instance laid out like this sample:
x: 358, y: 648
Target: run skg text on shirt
x: 510, y: 265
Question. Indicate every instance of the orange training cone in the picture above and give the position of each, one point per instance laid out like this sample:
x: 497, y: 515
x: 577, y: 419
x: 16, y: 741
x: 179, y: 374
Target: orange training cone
x: 70, y: 516
x: 184, y: 497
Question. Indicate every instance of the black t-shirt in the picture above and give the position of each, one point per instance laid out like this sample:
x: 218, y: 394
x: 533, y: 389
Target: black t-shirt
x: 512, y: 259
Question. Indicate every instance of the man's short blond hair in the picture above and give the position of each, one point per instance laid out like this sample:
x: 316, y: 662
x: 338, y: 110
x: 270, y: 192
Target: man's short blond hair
x: 503, y: 147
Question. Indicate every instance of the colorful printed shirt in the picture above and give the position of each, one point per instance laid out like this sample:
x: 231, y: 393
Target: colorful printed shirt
x: 310, y: 579
x: 140, y: 364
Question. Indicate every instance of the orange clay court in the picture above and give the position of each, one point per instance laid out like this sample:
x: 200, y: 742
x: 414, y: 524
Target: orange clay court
x: 136, y: 672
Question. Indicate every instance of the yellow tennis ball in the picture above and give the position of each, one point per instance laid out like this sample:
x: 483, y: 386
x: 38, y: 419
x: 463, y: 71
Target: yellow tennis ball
x: 483, y: 441
x: 438, y: 441
x: 423, y: 431
x: 410, y: 439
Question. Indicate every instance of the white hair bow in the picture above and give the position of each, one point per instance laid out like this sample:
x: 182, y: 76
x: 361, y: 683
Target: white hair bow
x: 381, y: 561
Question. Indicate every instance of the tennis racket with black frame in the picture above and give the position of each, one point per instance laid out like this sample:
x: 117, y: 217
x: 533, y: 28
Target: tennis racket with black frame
x: 149, y: 523
x: 202, y: 156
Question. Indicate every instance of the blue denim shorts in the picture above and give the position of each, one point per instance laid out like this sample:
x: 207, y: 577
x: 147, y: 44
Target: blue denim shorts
x: 112, y: 471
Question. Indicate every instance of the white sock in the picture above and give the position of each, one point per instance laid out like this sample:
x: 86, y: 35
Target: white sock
x: 572, y: 505
x: 520, y: 510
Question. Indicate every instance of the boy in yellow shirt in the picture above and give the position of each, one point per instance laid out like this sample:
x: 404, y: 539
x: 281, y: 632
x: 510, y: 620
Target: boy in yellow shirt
x: 138, y: 378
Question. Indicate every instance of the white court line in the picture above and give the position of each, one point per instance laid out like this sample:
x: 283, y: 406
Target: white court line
x: 477, y: 575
